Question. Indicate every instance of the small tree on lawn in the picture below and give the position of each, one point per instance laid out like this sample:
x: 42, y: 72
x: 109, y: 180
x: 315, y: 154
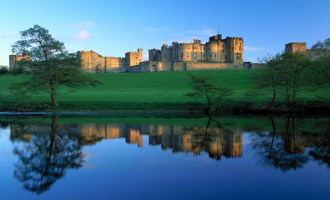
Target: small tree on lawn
x: 203, y: 89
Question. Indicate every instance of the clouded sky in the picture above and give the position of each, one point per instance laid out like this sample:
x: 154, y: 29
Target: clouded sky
x: 112, y: 28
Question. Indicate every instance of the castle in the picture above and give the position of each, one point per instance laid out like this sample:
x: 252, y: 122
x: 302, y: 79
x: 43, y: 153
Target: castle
x: 217, y: 53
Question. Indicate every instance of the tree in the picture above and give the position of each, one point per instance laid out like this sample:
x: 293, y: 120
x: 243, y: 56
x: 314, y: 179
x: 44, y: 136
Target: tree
x: 320, y: 73
x: 50, y: 65
x: 323, y: 46
x: 203, y: 89
x: 3, y: 69
x: 284, y: 74
x: 293, y: 69
x: 265, y: 81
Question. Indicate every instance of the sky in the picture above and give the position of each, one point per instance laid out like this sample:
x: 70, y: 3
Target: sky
x: 112, y: 28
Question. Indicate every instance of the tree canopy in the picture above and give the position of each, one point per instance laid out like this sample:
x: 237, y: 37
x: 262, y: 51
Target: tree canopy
x: 49, y: 65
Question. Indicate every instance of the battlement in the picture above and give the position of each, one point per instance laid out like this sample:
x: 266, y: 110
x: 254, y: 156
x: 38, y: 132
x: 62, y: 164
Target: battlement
x: 296, y: 43
x: 196, y: 41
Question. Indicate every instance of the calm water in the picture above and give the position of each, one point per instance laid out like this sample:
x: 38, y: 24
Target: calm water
x: 223, y: 158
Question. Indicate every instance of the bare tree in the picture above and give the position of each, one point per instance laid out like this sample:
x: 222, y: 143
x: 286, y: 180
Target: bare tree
x: 203, y: 89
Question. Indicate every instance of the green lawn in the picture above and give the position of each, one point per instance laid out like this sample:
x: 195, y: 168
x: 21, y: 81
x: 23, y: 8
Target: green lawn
x: 160, y: 90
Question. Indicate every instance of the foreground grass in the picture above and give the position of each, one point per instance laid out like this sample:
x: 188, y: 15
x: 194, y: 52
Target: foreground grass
x: 139, y: 91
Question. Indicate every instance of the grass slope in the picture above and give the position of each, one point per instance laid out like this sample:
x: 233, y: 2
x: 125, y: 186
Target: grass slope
x: 162, y: 90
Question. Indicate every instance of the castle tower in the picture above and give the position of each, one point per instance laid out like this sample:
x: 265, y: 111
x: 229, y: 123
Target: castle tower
x: 166, y: 54
x: 13, y: 60
x: 295, y: 46
x: 154, y: 55
x: 133, y: 58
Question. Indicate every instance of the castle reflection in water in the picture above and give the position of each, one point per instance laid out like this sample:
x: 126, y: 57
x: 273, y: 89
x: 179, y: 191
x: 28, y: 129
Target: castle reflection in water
x: 216, y: 141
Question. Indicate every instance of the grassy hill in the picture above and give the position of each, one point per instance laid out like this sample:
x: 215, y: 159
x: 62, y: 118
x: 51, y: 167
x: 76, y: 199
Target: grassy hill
x: 160, y: 90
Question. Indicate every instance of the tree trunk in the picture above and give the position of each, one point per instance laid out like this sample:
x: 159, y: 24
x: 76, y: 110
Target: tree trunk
x: 54, y: 102
x: 274, y: 93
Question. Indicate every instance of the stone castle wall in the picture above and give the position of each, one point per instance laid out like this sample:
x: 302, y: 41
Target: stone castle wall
x: 155, y: 66
x: 92, y: 62
x: 301, y: 47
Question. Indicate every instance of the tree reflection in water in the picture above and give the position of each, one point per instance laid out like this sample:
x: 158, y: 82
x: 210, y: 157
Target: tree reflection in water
x: 321, y: 154
x: 287, y: 147
x: 45, y: 159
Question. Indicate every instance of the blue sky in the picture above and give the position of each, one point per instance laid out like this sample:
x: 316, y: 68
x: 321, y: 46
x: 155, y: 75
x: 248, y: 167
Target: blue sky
x: 112, y: 28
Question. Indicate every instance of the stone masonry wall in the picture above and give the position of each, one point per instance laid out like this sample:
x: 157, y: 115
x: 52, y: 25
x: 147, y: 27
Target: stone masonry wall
x: 92, y: 62
x: 295, y: 46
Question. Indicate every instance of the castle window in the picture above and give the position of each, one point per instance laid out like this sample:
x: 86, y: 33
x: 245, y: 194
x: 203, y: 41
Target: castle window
x: 136, y: 57
x: 182, y: 55
x: 136, y: 63
x: 223, y: 50
x: 210, y: 55
x: 203, y: 48
x: 187, y: 54
x: 195, y: 47
x: 236, y: 57
x: 188, y: 47
x: 209, y: 48
x: 239, y: 48
x: 235, y: 47
x: 226, y: 57
x: 235, y: 42
x: 204, y: 55
x: 215, y: 55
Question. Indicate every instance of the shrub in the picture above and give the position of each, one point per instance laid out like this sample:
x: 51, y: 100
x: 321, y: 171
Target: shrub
x: 3, y: 70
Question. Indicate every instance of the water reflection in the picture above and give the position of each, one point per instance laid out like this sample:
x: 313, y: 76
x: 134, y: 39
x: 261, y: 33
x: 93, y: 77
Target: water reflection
x: 47, y: 154
x: 215, y: 140
x: 287, y: 147
x: 48, y: 150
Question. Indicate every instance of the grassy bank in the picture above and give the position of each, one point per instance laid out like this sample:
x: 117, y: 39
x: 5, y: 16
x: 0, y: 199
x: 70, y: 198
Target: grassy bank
x: 141, y: 91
